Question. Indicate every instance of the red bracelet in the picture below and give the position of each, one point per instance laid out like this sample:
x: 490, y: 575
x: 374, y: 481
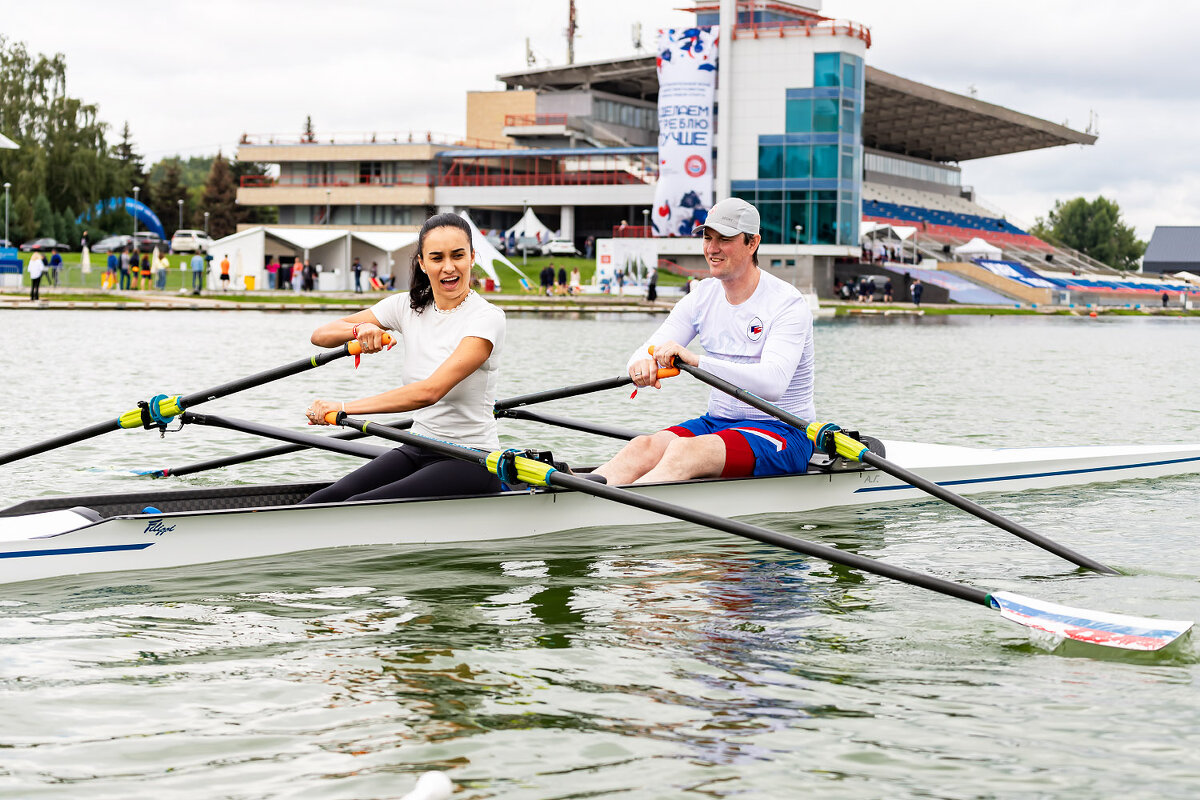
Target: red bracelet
x: 354, y: 332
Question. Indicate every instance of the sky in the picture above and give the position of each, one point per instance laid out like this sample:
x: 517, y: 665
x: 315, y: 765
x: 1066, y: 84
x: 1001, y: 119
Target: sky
x: 191, y: 77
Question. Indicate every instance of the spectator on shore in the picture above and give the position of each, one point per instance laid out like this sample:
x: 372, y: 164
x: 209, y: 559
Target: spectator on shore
x: 887, y: 291
x: 109, y: 280
x: 272, y: 273
x: 357, y: 267
x: 160, y: 280
x: 55, y: 266
x: 917, y: 290
x: 83, y: 241
x: 620, y: 280
x: 576, y: 285
x: 1166, y: 298
x: 199, y: 266
x: 36, y: 268
x: 144, y: 272
x: 907, y: 284
x: 588, y: 246
x: 652, y: 287
x: 562, y: 281
x: 124, y: 267
x: 225, y: 272
x: 546, y: 279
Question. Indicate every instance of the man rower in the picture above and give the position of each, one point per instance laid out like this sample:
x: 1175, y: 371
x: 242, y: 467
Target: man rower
x: 756, y: 331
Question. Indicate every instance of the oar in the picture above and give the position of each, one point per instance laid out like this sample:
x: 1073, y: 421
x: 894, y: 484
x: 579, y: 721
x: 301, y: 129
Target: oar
x: 1102, y: 628
x: 341, y: 446
x: 502, y: 407
x: 269, y: 452
x: 160, y: 410
x: 829, y: 437
x: 610, y: 431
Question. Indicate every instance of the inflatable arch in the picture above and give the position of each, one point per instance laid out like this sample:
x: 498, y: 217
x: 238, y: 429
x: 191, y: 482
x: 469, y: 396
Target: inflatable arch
x: 135, y: 208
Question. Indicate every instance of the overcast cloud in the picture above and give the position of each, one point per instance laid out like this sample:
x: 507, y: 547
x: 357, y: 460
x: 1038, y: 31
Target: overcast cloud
x: 191, y: 77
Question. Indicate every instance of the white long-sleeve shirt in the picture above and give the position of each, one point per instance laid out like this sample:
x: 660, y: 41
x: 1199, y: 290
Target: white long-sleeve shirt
x: 764, y: 345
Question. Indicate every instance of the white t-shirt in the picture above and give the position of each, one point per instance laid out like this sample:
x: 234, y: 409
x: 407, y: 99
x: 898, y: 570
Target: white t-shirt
x: 764, y: 345
x: 36, y: 266
x: 464, y: 416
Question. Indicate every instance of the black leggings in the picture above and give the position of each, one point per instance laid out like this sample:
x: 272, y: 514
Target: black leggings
x: 408, y: 472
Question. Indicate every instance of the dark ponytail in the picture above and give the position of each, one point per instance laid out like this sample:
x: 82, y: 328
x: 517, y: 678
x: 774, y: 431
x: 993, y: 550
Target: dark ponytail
x: 420, y: 293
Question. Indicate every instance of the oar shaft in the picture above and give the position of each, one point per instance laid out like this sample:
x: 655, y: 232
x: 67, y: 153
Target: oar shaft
x: 610, y: 431
x: 173, y: 406
x: 564, y: 392
x: 502, y: 409
x: 60, y: 441
x: 734, y: 527
x: 284, y: 371
x: 268, y: 452
x: 283, y: 434
x: 909, y: 477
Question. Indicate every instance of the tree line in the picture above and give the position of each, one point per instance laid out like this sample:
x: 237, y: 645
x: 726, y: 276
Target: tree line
x: 66, y: 163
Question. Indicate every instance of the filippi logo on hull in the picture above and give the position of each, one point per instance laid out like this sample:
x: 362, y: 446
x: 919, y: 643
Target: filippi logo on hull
x: 687, y: 66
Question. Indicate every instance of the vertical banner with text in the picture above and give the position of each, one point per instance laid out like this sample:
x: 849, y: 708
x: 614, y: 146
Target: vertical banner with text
x: 687, y: 75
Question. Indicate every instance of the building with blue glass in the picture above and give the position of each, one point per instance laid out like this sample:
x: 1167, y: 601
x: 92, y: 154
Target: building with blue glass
x: 821, y: 142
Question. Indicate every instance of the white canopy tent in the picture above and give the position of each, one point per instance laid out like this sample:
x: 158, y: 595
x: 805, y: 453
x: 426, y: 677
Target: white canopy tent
x: 529, y: 230
x: 486, y: 255
x: 334, y: 250
x: 391, y: 251
x: 876, y: 236
x: 978, y: 248
x: 7, y: 143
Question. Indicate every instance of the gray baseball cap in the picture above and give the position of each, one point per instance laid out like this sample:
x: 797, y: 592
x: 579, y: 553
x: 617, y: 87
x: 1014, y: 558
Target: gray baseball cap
x: 730, y: 216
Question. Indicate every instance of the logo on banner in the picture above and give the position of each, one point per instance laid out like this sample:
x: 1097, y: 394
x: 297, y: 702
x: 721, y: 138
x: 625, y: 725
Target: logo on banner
x: 754, y: 329
x: 695, y: 166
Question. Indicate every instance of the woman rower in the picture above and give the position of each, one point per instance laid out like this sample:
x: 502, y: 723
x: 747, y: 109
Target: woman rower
x: 452, y: 343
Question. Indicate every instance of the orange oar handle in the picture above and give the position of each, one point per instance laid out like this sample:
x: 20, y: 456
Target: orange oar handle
x: 354, y: 347
x: 664, y: 372
x: 332, y: 417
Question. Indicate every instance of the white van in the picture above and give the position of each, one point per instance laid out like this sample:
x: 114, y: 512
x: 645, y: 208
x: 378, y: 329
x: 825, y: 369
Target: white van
x: 190, y: 241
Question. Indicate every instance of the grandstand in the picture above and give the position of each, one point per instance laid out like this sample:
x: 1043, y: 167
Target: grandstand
x: 946, y: 221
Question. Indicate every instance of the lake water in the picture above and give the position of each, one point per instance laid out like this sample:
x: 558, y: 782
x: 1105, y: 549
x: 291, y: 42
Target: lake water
x: 633, y: 663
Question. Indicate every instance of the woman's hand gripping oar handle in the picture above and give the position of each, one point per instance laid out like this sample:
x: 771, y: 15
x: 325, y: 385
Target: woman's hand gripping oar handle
x: 354, y: 347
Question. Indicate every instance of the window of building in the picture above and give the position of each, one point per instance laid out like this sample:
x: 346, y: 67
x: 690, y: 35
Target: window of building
x: 827, y: 68
x: 770, y: 161
x: 799, y: 116
x: 825, y: 115
x: 798, y: 162
x: 370, y: 172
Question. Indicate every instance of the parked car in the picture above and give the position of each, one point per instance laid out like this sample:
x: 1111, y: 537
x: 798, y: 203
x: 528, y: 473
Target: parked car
x: 148, y: 240
x: 559, y: 247
x: 43, y: 245
x: 190, y: 241
x: 5, y: 243
x: 112, y: 244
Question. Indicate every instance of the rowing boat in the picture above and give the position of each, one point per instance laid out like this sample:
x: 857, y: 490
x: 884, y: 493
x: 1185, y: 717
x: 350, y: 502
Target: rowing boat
x: 60, y: 536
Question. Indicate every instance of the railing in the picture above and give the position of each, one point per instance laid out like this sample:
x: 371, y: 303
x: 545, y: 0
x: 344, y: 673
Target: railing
x: 542, y: 179
x: 520, y: 120
x: 798, y: 27
x: 264, y: 181
x: 632, y: 231
x: 373, y: 137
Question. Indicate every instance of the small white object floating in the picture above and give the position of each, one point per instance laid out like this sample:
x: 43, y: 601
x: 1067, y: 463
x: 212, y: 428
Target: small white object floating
x: 431, y: 786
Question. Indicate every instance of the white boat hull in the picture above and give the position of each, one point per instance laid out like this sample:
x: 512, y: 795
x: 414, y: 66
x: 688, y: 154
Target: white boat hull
x: 61, y: 542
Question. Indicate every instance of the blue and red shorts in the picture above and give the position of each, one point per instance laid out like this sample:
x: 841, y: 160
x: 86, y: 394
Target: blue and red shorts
x: 753, y: 446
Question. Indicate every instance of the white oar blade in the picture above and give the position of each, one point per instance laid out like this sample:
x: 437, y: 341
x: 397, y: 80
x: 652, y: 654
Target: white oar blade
x: 1094, y: 627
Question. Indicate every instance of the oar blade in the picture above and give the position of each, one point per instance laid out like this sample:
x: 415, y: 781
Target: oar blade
x: 1094, y: 627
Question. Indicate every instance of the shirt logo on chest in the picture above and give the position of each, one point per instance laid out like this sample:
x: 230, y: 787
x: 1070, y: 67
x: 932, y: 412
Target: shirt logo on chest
x: 754, y: 330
